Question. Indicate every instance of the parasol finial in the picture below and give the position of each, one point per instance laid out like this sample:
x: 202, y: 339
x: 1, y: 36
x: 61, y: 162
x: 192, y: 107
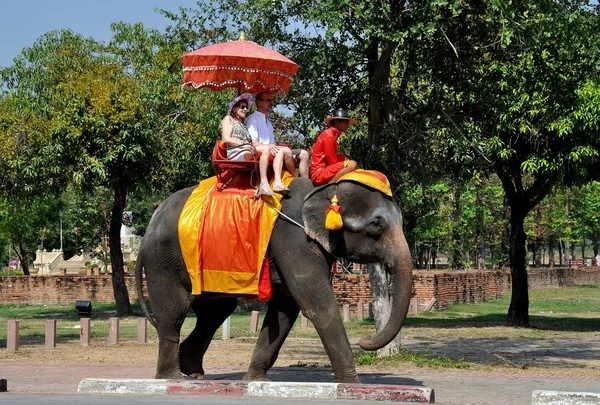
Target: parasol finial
x: 242, y: 36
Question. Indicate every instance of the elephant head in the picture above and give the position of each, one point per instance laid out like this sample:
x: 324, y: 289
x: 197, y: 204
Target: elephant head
x: 371, y: 233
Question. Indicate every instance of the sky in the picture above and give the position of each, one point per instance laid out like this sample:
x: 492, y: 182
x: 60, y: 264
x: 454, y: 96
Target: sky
x: 23, y: 21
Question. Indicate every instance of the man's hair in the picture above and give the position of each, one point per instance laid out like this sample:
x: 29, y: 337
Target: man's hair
x: 260, y: 94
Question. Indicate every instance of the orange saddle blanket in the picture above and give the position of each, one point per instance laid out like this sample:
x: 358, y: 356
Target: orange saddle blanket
x: 224, y: 237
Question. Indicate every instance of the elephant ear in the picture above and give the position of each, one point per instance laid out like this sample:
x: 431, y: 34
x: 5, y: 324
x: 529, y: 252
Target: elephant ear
x: 313, y: 215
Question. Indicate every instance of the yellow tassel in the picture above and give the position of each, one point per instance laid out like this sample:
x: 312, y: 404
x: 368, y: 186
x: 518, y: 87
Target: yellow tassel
x: 333, y: 215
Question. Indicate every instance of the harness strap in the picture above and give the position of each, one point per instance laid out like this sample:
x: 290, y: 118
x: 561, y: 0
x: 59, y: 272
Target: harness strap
x: 284, y: 216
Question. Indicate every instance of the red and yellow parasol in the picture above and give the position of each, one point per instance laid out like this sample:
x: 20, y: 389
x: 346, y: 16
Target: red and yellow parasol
x: 240, y: 64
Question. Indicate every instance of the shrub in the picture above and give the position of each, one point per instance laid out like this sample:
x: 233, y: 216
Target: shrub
x: 4, y: 273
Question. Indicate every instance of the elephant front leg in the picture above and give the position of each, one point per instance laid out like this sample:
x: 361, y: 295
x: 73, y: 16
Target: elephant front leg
x: 281, y: 315
x: 317, y: 301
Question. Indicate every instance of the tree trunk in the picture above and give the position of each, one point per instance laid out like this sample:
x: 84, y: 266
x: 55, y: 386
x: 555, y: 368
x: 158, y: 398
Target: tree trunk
x: 382, y: 306
x: 379, y: 54
x: 505, y: 243
x: 521, y: 201
x: 23, y: 257
x: 565, y: 256
x: 518, y: 311
x: 457, y: 260
x: 551, y: 242
x: 595, y: 242
x: 539, y: 237
x: 116, y: 254
x: 560, y: 252
x: 480, y: 227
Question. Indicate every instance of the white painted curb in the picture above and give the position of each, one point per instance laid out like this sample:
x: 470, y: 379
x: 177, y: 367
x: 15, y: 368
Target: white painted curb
x: 259, y: 389
x: 541, y: 397
x: 123, y: 386
x: 304, y: 390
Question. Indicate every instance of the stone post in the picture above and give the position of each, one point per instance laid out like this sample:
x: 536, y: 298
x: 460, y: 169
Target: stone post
x: 303, y: 321
x: 113, y: 330
x: 50, y: 334
x: 227, y: 329
x: 254, y: 322
x: 142, y: 330
x: 84, y: 331
x: 12, y: 338
x: 346, y: 313
x: 360, y: 311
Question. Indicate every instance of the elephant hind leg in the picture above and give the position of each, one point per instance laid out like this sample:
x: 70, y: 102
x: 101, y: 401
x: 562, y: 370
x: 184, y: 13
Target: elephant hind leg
x: 279, y: 319
x: 210, y: 314
x: 168, y: 343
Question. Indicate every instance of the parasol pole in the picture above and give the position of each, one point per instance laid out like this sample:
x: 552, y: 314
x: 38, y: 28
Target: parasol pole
x: 239, y: 85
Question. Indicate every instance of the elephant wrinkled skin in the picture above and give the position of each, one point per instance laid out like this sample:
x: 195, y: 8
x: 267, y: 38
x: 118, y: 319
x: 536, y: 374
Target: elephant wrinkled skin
x: 301, y: 260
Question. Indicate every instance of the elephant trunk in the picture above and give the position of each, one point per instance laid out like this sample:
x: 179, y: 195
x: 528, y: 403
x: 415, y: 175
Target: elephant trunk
x: 400, y: 268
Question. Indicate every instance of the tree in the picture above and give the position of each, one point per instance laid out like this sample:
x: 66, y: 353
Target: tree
x: 27, y: 223
x: 522, y: 76
x: 28, y: 178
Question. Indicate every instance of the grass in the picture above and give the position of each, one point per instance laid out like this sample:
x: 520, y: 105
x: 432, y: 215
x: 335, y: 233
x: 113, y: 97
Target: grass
x: 419, y: 359
x: 568, y: 312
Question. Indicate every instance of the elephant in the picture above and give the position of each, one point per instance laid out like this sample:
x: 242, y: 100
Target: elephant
x: 300, y: 261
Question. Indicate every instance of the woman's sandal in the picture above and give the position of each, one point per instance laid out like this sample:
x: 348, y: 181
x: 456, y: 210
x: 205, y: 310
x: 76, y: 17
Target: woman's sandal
x: 264, y: 189
x: 281, y: 189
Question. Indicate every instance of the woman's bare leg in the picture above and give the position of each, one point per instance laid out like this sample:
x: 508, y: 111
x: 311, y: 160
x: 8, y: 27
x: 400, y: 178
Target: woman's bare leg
x: 263, y: 167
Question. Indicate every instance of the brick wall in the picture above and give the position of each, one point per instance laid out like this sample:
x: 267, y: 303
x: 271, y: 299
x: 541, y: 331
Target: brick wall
x: 561, y: 276
x: 469, y: 286
x: 447, y: 287
x: 60, y: 289
x: 352, y: 288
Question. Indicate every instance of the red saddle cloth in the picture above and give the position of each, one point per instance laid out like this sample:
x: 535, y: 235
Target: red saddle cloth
x: 224, y: 237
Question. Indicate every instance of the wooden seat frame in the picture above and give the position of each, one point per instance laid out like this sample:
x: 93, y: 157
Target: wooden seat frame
x: 227, y: 168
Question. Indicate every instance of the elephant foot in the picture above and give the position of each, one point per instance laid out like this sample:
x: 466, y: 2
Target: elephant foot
x: 347, y: 380
x: 255, y: 377
x: 193, y: 372
x: 174, y: 375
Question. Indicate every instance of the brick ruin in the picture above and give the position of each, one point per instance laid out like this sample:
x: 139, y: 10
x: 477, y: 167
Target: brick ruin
x: 447, y: 287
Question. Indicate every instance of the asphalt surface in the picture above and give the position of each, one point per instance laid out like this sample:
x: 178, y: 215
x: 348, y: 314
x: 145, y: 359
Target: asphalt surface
x: 451, y: 387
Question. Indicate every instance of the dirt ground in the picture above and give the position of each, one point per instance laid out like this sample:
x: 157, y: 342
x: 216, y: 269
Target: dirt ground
x: 560, y: 356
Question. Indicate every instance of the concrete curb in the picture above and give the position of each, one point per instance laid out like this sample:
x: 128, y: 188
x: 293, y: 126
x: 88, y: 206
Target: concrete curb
x: 296, y: 390
x: 564, y: 398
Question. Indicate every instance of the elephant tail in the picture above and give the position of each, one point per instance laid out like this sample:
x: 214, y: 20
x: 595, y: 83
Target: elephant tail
x: 139, y: 281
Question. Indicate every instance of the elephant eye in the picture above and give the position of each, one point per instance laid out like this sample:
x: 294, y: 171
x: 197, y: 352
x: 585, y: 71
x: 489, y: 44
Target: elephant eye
x: 376, y: 226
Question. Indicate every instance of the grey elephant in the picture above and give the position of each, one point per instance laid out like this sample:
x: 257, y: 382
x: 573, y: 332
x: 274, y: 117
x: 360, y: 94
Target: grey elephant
x: 300, y: 261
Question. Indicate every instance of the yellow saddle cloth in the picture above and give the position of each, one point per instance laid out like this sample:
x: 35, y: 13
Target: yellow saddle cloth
x: 224, y: 237
x: 370, y: 178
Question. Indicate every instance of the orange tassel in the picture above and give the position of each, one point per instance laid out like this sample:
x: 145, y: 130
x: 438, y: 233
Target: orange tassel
x: 333, y: 215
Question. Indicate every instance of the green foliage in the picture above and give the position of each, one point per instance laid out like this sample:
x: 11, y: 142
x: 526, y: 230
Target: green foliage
x: 27, y: 223
x: 418, y: 359
x: 5, y: 273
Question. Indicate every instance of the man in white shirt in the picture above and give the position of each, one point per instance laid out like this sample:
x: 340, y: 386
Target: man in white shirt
x: 261, y: 129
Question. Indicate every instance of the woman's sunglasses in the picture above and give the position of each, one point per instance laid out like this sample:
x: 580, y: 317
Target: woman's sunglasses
x: 243, y: 107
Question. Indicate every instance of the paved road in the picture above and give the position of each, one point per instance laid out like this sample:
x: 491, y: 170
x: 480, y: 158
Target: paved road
x: 451, y: 387
x: 145, y: 400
